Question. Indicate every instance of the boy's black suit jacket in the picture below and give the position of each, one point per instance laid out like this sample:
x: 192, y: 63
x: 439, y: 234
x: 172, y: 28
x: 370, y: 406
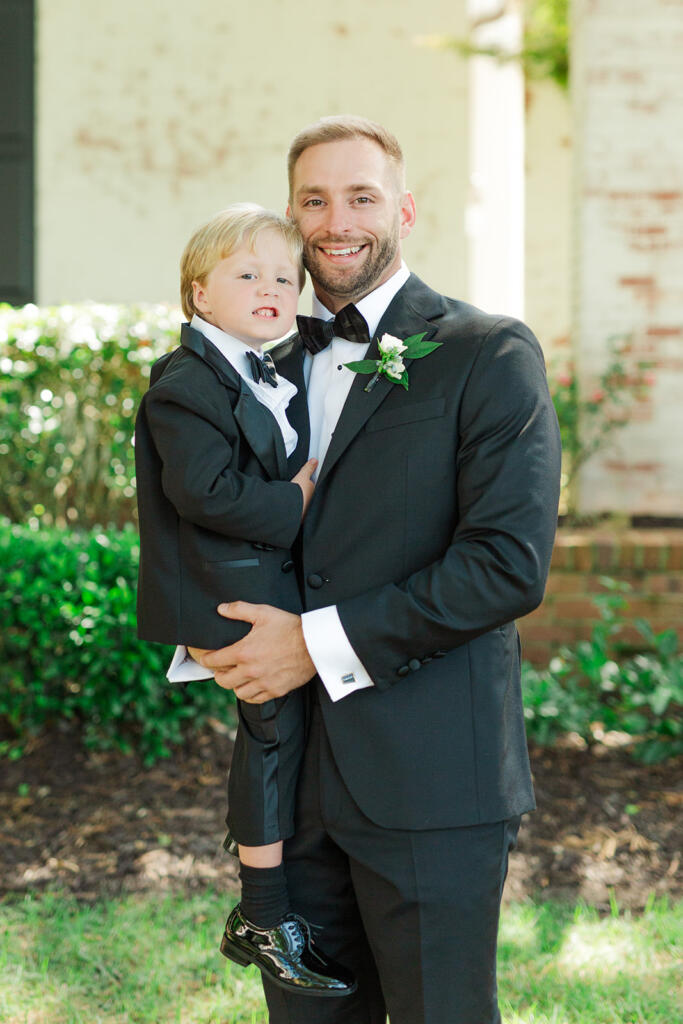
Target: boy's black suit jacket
x: 431, y: 529
x: 218, y: 514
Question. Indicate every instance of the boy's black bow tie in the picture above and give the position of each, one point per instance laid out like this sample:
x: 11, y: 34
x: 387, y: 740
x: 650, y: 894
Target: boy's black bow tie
x: 262, y: 368
x: 317, y: 334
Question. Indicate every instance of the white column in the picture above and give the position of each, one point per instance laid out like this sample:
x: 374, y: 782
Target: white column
x: 495, y: 213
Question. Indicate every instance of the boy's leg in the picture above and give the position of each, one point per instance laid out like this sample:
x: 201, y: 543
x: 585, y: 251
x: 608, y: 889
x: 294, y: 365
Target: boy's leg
x: 262, y: 929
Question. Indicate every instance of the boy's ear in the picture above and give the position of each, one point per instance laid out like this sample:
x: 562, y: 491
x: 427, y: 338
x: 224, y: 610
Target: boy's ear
x: 199, y: 297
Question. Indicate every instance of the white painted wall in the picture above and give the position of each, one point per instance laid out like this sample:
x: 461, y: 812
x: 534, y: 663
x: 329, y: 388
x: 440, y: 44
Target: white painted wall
x: 628, y: 112
x: 151, y: 116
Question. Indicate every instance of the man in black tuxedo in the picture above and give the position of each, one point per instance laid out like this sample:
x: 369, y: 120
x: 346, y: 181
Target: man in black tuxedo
x: 429, y: 533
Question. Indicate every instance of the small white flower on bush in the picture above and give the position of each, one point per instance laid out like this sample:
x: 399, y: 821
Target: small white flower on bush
x: 389, y: 344
x: 394, y: 367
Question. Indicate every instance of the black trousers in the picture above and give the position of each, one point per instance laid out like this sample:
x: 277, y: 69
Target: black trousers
x: 265, y: 765
x: 413, y: 914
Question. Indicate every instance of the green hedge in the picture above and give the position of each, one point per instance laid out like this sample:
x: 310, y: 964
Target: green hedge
x: 69, y: 650
x: 71, y: 379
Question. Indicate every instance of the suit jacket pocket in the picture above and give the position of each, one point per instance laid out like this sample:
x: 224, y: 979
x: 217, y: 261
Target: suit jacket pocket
x: 407, y: 414
x: 234, y: 563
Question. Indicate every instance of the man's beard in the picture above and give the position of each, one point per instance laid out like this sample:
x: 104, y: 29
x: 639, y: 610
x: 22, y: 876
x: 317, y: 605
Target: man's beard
x: 341, y: 283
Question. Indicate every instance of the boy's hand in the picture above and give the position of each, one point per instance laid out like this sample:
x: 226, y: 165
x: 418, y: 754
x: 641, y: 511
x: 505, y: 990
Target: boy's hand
x: 303, y: 479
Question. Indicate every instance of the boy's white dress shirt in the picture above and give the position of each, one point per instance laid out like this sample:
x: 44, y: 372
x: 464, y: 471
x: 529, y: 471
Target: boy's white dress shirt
x: 328, y: 383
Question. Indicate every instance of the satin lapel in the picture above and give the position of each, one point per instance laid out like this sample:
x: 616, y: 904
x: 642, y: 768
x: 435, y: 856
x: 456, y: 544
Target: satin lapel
x: 402, y: 320
x: 258, y: 425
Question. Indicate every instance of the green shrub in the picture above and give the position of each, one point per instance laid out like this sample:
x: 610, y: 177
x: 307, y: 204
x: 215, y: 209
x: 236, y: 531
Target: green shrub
x: 69, y: 650
x: 71, y: 381
x: 597, y: 685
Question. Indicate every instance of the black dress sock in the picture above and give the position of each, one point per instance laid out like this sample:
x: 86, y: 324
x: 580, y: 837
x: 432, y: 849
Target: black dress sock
x: 265, y: 899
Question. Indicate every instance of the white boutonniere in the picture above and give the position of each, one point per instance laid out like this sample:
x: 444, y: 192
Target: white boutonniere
x: 392, y: 353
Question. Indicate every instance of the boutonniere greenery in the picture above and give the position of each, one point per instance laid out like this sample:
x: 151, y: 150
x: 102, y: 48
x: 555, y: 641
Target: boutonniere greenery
x: 392, y: 352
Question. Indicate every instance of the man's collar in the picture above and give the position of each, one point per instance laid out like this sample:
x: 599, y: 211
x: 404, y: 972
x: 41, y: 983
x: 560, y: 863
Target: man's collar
x: 374, y: 305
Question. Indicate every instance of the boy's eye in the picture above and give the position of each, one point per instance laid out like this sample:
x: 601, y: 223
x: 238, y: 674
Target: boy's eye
x: 248, y: 276
x: 283, y: 280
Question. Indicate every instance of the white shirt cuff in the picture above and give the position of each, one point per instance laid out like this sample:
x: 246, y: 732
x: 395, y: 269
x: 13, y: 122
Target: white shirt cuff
x: 333, y: 656
x: 183, y: 668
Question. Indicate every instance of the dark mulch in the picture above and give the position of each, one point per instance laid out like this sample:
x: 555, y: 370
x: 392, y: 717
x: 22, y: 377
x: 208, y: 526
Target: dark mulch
x: 101, y: 823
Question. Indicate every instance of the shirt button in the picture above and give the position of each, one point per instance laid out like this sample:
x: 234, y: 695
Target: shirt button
x: 315, y: 581
x: 340, y: 367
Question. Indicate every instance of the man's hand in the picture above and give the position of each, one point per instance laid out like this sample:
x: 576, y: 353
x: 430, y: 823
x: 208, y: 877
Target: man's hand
x: 269, y: 661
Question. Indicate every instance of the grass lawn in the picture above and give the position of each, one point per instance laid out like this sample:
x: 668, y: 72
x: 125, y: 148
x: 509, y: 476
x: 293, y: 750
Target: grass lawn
x: 153, y: 959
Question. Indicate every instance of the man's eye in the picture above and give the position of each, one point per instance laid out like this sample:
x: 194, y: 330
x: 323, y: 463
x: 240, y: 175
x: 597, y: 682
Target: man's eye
x: 363, y: 199
x: 313, y: 202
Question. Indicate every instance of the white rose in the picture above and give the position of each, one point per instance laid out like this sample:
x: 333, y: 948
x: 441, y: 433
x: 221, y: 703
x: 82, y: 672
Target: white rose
x: 389, y: 343
x: 394, y: 367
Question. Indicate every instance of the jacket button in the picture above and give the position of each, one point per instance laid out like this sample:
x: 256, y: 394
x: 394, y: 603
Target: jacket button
x: 315, y: 580
x: 402, y: 671
x: 414, y: 665
x: 287, y: 566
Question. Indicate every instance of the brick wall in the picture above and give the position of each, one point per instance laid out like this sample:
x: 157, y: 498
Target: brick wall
x: 651, y: 561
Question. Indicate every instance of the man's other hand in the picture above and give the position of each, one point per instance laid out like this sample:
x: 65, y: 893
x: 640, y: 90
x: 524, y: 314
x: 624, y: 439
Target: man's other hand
x: 269, y: 661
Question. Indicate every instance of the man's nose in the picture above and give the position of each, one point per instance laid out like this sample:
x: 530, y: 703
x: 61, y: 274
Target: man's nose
x: 338, y: 219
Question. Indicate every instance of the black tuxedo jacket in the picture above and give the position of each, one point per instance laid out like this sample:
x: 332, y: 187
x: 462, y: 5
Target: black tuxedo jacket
x: 217, y: 513
x: 431, y: 529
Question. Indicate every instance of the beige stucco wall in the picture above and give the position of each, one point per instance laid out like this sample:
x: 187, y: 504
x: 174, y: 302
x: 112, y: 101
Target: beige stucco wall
x: 548, y: 216
x: 151, y: 116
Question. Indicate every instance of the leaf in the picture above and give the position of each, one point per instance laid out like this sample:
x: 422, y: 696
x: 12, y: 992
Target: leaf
x: 420, y: 349
x: 403, y: 380
x: 363, y: 365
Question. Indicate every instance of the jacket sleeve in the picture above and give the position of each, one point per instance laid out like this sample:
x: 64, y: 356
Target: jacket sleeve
x: 495, y: 568
x: 197, y: 478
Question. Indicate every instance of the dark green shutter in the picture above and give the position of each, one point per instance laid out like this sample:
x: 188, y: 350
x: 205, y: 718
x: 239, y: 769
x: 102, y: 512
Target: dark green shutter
x: 16, y: 151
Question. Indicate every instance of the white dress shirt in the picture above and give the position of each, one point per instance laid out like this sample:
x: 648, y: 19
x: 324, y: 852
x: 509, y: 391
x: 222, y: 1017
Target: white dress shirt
x: 328, y: 383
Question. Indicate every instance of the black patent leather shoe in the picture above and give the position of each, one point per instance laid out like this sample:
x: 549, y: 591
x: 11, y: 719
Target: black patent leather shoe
x: 287, y: 955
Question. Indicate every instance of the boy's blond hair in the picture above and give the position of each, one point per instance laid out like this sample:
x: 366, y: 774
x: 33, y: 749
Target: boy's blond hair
x: 346, y: 126
x: 238, y: 224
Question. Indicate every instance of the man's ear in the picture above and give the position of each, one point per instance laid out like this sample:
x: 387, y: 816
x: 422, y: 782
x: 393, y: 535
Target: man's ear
x: 408, y: 214
x: 199, y: 297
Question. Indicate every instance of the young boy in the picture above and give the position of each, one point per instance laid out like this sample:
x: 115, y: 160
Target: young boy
x: 219, y: 511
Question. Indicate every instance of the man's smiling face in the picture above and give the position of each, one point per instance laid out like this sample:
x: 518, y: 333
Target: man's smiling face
x: 348, y: 204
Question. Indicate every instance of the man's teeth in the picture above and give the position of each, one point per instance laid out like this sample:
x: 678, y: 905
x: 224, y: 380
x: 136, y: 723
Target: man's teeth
x: 343, y: 252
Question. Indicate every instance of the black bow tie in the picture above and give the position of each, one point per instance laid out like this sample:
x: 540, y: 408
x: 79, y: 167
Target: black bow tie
x: 262, y: 368
x: 317, y: 334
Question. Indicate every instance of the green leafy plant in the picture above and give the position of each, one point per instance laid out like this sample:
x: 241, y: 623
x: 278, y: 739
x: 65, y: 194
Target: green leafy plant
x: 544, y: 52
x: 69, y: 648
x: 601, y: 684
x: 71, y: 380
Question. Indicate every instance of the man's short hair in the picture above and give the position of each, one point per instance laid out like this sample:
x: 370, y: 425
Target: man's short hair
x: 238, y: 224
x: 345, y: 126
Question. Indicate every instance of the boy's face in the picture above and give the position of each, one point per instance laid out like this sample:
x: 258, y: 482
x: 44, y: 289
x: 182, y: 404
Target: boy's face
x: 253, y: 293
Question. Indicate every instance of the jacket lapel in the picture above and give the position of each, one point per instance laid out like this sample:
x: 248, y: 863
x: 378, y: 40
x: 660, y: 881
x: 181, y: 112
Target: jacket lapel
x: 408, y: 313
x: 256, y: 423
